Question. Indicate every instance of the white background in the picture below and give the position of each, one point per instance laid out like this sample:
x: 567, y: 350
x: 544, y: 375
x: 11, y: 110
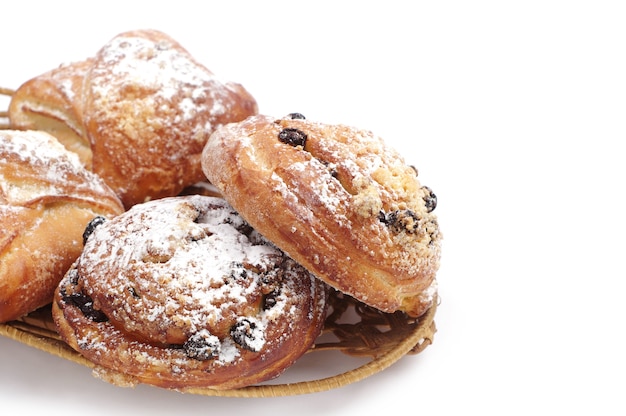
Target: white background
x: 514, y: 113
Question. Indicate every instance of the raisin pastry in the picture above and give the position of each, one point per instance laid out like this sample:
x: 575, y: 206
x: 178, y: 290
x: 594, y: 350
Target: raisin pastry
x: 47, y: 198
x: 181, y: 292
x: 338, y: 200
x: 145, y: 107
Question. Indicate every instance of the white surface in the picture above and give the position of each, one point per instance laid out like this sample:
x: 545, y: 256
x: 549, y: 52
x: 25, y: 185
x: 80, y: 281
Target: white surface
x: 514, y: 113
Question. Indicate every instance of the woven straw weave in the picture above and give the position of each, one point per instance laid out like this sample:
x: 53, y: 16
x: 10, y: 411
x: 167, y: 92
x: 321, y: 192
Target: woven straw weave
x: 385, y: 338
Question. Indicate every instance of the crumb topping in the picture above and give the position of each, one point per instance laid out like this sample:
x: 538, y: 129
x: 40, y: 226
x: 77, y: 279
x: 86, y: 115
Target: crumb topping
x: 354, y: 171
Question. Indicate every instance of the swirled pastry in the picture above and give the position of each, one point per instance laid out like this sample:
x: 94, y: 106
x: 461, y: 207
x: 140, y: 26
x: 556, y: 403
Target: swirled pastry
x: 47, y: 198
x: 181, y: 292
x: 138, y: 112
x: 338, y: 200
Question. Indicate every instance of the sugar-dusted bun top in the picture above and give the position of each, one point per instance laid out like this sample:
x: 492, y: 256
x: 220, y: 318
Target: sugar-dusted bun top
x: 169, y: 269
x: 149, y: 108
x: 182, y: 292
x: 336, y: 198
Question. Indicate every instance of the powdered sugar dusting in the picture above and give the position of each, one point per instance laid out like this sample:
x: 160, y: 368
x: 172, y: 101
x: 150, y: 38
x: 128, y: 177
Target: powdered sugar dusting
x: 48, y: 168
x: 428, y: 295
x: 66, y: 87
x: 158, y: 67
x: 164, y: 69
x: 149, y: 108
x: 359, y: 217
x: 205, y: 270
x: 179, y: 270
x: 326, y: 195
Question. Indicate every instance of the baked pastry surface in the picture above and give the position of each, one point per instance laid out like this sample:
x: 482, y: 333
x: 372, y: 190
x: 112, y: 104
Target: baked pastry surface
x: 52, y: 102
x: 149, y: 109
x: 138, y: 112
x: 336, y: 199
x: 47, y: 198
x: 181, y: 292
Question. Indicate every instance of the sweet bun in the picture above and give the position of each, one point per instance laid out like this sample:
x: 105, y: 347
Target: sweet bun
x: 181, y: 292
x: 138, y: 112
x: 336, y: 199
x: 149, y: 109
x: 47, y: 198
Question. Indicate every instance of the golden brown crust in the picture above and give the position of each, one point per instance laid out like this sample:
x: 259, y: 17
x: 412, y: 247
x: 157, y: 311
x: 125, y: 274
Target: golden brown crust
x: 149, y: 108
x: 180, y: 292
x: 52, y: 102
x: 341, y: 203
x: 138, y: 113
x: 46, y: 199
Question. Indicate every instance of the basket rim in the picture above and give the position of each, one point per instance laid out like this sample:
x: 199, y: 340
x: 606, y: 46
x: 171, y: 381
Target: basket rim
x: 421, y: 334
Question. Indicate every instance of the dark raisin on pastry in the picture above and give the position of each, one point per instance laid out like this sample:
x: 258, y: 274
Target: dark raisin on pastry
x: 243, y: 227
x: 91, y: 226
x: 75, y: 297
x: 73, y: 276
x: 400, y: 220
x: 293, y: 137
x: 269, y: 301
x: 430, y: 199
x: 85, y: 304
x: 134, y: 292
x: 296, y: 116
x: 202, y: 346
x: 332, y: 168
x: 248, y: 334
x: 238, y: 273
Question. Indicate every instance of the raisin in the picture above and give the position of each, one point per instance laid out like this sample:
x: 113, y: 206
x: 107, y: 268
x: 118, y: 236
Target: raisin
x: 400, y: 220
x: 269, y: 301
x: 248, y: 334
x: 430, y: 199
x: 271, y: 278
x: 85, y: 304
x: 238, y: 273
x: 134, y: 293
x: 202, y: 346
x: 242, y: 226
x: 91, y: 226
x: 296, y: 116
x: 245, y: 229
x: 72, y: 275
x: 293, y: 137
x: 332, y: 168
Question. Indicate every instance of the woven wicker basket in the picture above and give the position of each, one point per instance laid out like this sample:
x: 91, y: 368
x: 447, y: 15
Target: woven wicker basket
x: 351, y: 327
